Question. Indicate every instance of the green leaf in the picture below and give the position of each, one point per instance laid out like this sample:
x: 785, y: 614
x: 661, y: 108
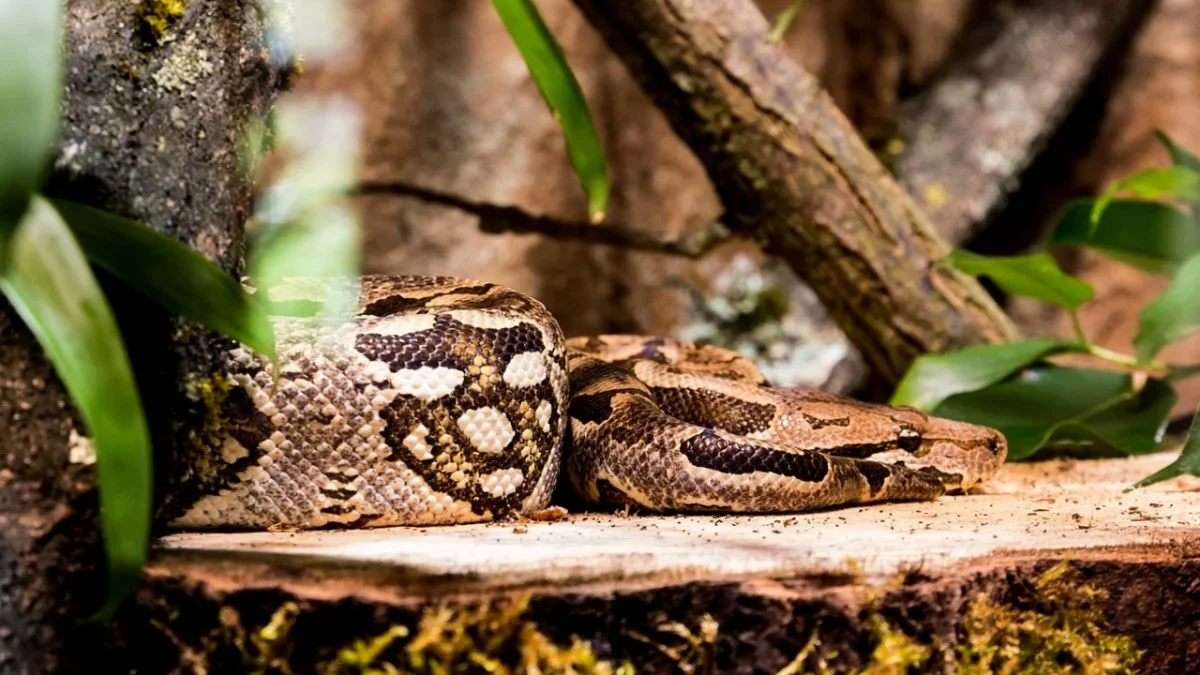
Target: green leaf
x: 1133, y: 425
x: 783, y: 21
x: 550, y: 71
x: 171, y: 274
x: 1188, y: 461
x: 1032, y: 406
x: 50, y: 285
x: 1179, y: 155
x: 1176, y: 182
x: 1173, y: 315
x: 1034, y: 276
x: 934, y: 378
x: 30, y: 86
x: 1148, y: 235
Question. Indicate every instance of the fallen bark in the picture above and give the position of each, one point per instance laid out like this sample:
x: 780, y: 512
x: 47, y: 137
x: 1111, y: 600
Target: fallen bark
x: 150, y: 131
x: 794, y: 176
x: 1020, y: 69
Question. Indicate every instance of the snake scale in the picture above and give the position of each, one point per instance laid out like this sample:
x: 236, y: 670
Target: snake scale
x: 447, y: 401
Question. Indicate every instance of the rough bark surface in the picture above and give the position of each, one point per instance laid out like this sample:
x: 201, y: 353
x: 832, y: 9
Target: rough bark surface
x: 149, y: 131
x: 794, y: 175
x: 1019, y: 71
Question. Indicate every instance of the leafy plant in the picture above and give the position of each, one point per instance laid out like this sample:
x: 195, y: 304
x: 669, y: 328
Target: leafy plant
x: 45, y: 250
x: 1124, y: 408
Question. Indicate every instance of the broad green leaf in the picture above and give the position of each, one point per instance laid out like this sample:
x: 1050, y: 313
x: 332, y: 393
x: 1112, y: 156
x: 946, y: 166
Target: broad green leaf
x: 30, y: 86
x: 50, y: 285
x: 550, y: 71
x: 1030, y: 407
x: 1188, y: 461
x: 933, y: 378
x: 1135, y: 425
x: 1173, y: 315
x: 1148, y: 235
x: 783, y: 21
x: 171, y: 274
x: 1179, y: 155
x: 1034, y: 276
x: 1175, y: 182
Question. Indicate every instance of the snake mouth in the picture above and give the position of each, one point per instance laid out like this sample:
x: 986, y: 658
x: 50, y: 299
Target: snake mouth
x: 953, y: 482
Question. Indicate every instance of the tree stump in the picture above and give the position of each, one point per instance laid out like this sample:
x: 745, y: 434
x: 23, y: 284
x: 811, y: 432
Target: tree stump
x: 722, y: 593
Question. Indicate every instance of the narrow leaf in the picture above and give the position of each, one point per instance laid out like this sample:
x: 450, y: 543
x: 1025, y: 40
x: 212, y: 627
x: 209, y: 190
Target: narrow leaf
x: 934, y: 378
x: 1034, y: 276
x: 1176, y: 182
x: 1173, y: 315
x: 1148, y: 235
x: 550, y: 71
x: 1031, y: 406
x: 171, y: 274
x: 1179, y: 155
x: 783, y: 21
x: 1187, y: 463
x: 30, y: 86
x: 50, y: 285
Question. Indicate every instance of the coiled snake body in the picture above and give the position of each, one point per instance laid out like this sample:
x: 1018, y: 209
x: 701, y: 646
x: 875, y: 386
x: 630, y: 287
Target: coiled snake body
x: 447, y: 401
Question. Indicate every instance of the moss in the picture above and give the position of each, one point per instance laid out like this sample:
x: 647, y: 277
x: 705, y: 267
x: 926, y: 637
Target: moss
x: 483, y: 638
x: 895, y: 652
x: 158, y: 16
x: 1060, y: 633
x: 693, y: 651
x: 492, y: 638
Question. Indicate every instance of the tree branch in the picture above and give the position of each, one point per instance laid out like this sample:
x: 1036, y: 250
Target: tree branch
x: 794, y: 175
x: 498, y: 219
x: 1019, y: 72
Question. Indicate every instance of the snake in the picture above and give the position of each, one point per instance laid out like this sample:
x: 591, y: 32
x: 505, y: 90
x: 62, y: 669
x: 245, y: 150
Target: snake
x: 440, y: 401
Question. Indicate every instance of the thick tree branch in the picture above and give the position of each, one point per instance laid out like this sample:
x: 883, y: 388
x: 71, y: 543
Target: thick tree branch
x: 498, y: 219
x: 1018, y: 73
x: 795, y: 176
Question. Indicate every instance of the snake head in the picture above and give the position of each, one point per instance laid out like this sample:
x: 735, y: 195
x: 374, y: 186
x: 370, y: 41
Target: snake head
x: 962, y: 455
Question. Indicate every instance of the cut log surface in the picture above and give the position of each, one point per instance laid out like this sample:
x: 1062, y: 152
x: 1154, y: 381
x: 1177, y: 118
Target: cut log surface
x: 1045, y: 506
x: 818, y: 592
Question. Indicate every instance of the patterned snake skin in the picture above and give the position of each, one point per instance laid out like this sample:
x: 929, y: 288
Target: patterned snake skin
x: 446, y: 401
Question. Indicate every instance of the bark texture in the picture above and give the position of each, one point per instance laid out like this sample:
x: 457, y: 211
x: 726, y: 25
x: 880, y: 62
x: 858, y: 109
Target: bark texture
x: 794, y: 176
x: 150, y: 130
x: 1019, y: 71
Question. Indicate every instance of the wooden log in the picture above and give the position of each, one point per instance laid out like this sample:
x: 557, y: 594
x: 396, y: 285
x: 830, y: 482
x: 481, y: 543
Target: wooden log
x: 751, y: 591
x: 794, y: 175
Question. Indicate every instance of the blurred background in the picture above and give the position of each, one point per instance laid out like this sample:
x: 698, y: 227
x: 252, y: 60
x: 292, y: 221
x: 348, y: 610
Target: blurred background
x: 445, y: 103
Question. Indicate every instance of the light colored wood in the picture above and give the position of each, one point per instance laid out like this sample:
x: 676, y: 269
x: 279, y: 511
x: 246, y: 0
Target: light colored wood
x: 1059, y: 505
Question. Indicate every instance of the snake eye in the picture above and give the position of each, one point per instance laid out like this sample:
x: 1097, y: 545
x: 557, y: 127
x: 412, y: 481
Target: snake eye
x: 908, y: 439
